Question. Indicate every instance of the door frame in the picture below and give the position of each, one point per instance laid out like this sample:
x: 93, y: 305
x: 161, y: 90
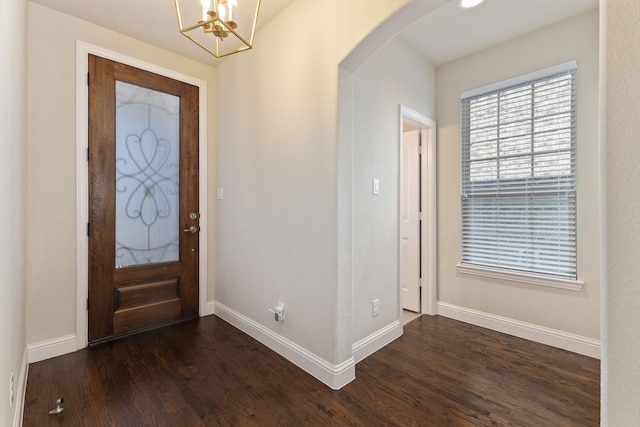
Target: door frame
x: 82, y: 175
x: 428, y: 188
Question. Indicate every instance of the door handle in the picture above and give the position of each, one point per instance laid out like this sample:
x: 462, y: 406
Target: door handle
x: 193, y: 229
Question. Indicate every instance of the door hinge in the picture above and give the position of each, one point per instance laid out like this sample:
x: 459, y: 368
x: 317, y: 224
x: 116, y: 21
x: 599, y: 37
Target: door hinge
x: 88, y: 79
x: 419, y: 216
x: 88, y: 229
x: 87, y: 154
x: 420, y: 283
x: 87, y: 303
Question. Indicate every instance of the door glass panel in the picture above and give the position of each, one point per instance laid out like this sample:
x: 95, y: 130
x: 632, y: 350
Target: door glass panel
x: 147, y: 172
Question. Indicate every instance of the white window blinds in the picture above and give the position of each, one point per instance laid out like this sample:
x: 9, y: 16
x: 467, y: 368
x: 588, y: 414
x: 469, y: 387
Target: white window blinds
x: 518, y: 177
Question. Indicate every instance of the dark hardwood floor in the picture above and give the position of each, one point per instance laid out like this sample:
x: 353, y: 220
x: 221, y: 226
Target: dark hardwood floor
x: 207, y: 373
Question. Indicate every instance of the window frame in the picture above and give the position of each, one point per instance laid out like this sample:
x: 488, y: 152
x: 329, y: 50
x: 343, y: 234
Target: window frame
x: 495, y: 271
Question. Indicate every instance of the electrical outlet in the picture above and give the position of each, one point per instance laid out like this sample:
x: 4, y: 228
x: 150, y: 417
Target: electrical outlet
x: 11, y: 391
x: 375, y: 307
x: 278, y: 312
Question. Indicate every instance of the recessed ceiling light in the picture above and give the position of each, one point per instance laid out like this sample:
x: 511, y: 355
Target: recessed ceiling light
x: 468, y: 4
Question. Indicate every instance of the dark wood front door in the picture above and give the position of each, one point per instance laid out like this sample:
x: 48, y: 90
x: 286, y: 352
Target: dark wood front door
x: 143, y: 200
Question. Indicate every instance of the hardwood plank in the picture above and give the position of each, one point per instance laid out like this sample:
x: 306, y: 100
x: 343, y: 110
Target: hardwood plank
x: 205, y: 372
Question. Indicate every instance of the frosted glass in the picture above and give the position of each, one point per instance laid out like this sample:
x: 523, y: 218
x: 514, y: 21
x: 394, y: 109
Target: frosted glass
x: 147, y: 176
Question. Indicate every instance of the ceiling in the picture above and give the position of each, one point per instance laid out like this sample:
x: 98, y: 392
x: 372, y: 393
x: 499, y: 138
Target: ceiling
x: 152, y: 21
x: 445, y: 34
x: 449, y: 32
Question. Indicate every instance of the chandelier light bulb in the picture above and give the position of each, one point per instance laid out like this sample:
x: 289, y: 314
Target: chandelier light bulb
x: 231, y: 9
x: 206, y: 4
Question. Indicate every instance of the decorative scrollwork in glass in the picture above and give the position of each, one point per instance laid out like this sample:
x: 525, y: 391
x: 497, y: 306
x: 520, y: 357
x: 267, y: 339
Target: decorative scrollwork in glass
x: 147, y: 176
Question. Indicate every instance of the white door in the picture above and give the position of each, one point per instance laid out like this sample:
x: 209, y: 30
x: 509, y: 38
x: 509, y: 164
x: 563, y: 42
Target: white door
x: 411, y: 220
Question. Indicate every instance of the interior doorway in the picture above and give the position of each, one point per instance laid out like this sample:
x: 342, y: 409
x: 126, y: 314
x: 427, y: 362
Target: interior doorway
x: 417, y: 212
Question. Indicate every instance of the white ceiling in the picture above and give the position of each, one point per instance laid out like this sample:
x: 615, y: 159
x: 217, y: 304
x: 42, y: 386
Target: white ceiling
x: 450, y: 32
x: 152, y: 21
x: 445, y: 34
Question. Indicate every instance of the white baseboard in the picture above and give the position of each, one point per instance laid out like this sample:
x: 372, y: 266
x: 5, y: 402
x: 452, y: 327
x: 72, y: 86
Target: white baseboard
x: 67, y: 344
x: 20, y: 391
x: 334, y: 376
x: 564, y: 340
x: 208, y: 309
x: 51, y: 348
x: 374, y: 342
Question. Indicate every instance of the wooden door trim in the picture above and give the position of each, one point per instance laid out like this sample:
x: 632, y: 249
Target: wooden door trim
x: 82, y: 173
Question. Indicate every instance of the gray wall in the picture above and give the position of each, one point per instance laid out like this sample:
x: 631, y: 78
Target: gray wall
x: 394, y: 75
x: 621, y: 322
x: 13, y: 118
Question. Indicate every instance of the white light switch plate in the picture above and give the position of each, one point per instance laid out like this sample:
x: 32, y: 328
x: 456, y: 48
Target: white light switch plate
x: 376, y: 186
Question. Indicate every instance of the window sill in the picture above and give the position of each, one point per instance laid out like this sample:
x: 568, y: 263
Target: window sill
x: 532, y: 279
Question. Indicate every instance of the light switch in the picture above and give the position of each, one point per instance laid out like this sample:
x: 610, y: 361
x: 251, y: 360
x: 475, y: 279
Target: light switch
x: 376, y: 186
x: 220, y: 194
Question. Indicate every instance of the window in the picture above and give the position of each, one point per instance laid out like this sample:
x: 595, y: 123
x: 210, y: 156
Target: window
x: 518, y: 170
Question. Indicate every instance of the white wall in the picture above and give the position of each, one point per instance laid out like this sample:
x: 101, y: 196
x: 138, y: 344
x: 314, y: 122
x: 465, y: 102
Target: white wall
x: 51, y: 188
x: 621, y: 322
x: 12, y: 198
x: 574, y: 312
x: 394, y: 75
x: 277, y: 225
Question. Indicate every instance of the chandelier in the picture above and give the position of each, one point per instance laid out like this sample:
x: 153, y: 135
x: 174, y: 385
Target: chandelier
x: 221, y: 27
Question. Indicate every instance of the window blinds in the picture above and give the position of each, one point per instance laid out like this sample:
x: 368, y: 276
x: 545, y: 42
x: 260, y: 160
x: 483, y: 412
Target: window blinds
x: 518, y: 177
